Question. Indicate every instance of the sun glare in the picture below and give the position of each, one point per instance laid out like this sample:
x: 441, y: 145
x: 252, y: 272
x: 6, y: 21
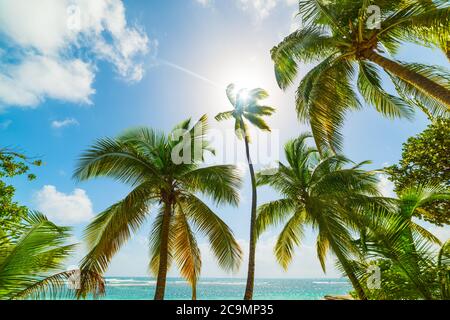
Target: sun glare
x: 243, y: 94
x: 248, y: 75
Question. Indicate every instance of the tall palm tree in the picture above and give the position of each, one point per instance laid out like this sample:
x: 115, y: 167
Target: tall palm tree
x: 28, y: 260
x: 392, y: 234
x: 337, y: 37
x: 148, y: 162
x: 246, y: 107
x: 317, y: 191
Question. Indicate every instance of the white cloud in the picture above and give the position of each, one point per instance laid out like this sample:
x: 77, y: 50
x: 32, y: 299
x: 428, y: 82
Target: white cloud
x: 205, y: 3
x: 57, y: 124
x: 260, y: 9
x: 62, y: 208
x: 40, y: 77
x: 56, y: 44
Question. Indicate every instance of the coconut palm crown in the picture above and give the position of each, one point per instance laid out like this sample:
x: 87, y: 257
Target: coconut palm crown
x: 350, y: 45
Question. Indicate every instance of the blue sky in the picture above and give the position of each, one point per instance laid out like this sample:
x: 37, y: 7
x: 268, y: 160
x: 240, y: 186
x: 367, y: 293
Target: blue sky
x: 153, y: 63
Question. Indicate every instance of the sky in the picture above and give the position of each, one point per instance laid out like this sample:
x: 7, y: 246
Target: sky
x: 73, y: 71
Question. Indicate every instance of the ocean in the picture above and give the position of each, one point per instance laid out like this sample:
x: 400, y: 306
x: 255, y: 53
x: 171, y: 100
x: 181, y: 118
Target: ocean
x: 136, y: 288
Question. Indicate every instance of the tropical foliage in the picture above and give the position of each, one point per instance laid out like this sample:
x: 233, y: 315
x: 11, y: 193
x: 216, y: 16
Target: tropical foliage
x: 28, y: 262
x: 340, y: 201
x: 11, y: 213
x: 323, y: 192
x: 391, y: 233
x: 394, y: 285
x: 149, y: 162
x: 247, y: 108
x: 425, y: 160
x: 350, y: 45
x: 12, y: 164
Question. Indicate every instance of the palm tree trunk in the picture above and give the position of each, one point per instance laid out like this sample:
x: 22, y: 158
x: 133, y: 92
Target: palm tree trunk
x: 447, y: 51
x: 163, y: 254
x: 194, y: 291
x: 422, y: 83
x: 350, y: 274
x: 252, y: 250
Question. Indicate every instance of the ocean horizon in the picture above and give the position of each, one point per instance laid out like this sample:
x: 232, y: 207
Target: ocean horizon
x: 142, y: 288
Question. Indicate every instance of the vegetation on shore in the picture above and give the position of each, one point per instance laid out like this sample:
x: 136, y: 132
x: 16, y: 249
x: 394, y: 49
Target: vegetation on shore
x: 425, y: 160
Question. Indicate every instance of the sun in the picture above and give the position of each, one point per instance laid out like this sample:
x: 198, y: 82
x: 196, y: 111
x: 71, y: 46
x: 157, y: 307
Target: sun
x: 244, y: 73
x: 245, y: 77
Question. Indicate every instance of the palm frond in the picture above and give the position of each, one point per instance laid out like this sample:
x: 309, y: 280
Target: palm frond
x: 289, y: 238
x: 429, y: 105
x: 369, y: 84
x: 260, y: 110
x: 223, y: 244
x: 111, y: 229
x: 324, y: 102
x: 257, y: 121
x: 221, y: 183
x: 26, y: 263
x: 427, y: 26
x: 224, y: 116
x: 273, y: 213
x: 256, y: 95
x: 231, y: 94
x: 186, y: 252
x: 322, y: 246
x: 307, y: 45
x: 155, y: 241
x: 116, y: 159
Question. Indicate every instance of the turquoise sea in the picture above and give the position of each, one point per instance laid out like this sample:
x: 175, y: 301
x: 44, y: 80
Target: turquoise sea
x: 133, y: 288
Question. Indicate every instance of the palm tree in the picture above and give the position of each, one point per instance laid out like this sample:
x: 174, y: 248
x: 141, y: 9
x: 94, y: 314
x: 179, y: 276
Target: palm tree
x: 392, y: 234
x: 415, y: 199
x: 246, y: 107
x: 317, y: 191
x: 26, y: 261
x: 338, y: 38
x: 444, y: 270
x: 150, y: 163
